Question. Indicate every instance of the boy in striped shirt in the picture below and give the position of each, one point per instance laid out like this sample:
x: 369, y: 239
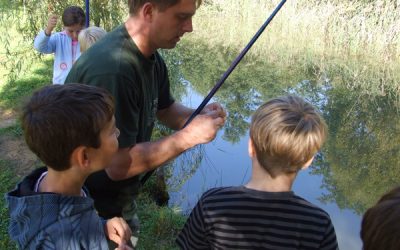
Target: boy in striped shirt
x: 285, y: 135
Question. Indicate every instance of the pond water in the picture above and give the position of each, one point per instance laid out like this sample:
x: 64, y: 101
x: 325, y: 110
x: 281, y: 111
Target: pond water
x: 358, y: 163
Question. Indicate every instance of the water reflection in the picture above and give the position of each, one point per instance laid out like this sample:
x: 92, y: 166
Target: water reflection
x: 362, y: 155
x: 359, y: 162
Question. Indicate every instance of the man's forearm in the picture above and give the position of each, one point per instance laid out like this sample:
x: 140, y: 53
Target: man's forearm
x: 147, y: 156
x: 175, y: 116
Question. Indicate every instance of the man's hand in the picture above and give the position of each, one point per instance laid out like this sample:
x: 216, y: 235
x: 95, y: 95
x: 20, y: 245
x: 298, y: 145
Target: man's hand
x: 204, y: 127
x: 214, y: 107
x: 117, y: 230
x: 146, y: 156
x: 51, y: 24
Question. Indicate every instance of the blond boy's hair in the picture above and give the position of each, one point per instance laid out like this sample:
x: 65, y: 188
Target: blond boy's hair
x: 87, y: 37
x: 286, y: 133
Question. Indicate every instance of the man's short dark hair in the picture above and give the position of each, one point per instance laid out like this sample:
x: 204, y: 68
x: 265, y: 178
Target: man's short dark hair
x: 135, y: 5
x: 59, y: 118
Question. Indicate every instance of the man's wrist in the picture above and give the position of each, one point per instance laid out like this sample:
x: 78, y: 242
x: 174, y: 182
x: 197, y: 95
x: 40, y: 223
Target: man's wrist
x: 182, y: 141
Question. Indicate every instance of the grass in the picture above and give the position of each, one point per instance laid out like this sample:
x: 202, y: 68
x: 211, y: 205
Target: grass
x: 159, y: 225
x: 346, y: 28
x: 14, y: 131
x: 7, y: 182
x: 358, y: 40
x: 13, y: 93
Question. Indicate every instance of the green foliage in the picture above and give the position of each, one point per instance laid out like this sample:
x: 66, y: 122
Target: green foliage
x: 159, y: 225
x: 178, y: 85
x: 356, y: 35
x: 363, y: 152
x: 24, y: 19
x: 7, y: 182
x: 15, y: 131
x: 13, y: 93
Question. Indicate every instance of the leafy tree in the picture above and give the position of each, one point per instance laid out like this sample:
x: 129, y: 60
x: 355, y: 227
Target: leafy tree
x: 24, y: 19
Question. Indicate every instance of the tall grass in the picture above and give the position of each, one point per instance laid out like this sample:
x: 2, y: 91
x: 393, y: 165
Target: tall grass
x: 358, y: 40
x: 7, y: 180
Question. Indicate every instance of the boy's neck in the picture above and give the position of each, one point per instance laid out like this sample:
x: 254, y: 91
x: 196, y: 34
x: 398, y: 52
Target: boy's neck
x: 261, y: 180
x: 68, y: 182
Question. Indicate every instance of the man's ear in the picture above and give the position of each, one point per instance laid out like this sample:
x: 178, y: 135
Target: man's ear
x: 147, y: 11
x: 80, y: 158
x: 308, y: 163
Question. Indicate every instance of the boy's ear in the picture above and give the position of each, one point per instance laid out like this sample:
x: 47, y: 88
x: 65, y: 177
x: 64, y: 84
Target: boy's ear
x: 308, y: 163
x: 79, y: 157
x: 250, y: 148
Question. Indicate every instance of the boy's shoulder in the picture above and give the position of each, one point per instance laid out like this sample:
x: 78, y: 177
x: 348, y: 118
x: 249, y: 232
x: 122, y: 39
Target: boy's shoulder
x: 35, y: 216
x: 26, y: 186
x: 311, y: 206
x: 221, y: 191
x: 243, y: 195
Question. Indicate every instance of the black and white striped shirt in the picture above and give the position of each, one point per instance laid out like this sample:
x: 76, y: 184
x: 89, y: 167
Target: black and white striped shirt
x: 242, y: 218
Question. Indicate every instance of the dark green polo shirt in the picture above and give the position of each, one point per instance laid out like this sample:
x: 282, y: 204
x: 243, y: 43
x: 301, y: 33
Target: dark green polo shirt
x: 140, y: 87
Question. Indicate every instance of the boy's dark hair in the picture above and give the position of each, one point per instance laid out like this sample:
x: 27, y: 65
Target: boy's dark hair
x: 380, y: 227
x: 135, y: 5
x: 73, y: 15
x: 59, y: 118
x: 286, y: 133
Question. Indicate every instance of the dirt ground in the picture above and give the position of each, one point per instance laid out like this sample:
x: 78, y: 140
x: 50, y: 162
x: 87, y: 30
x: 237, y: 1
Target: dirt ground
x: 14, y: 150
x: 7, y: 118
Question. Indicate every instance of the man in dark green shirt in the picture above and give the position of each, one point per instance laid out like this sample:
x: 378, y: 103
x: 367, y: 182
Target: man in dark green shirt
x: 126, y: 62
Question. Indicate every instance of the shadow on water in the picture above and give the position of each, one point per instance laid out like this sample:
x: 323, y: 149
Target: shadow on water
x: 360, y: 160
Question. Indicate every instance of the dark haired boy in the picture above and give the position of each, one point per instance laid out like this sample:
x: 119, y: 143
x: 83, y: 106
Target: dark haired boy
x: 64, y: 44
x: 71, y: 128
x: 285, y: 134
x: 379, y: 226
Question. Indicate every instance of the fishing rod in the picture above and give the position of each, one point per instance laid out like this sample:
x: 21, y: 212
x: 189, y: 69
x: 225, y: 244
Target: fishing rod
x: 87, y: 18
x: 225, y: 75
x: 234, y: 64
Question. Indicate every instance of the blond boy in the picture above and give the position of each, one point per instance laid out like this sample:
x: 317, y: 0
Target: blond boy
x: 285, y: 134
